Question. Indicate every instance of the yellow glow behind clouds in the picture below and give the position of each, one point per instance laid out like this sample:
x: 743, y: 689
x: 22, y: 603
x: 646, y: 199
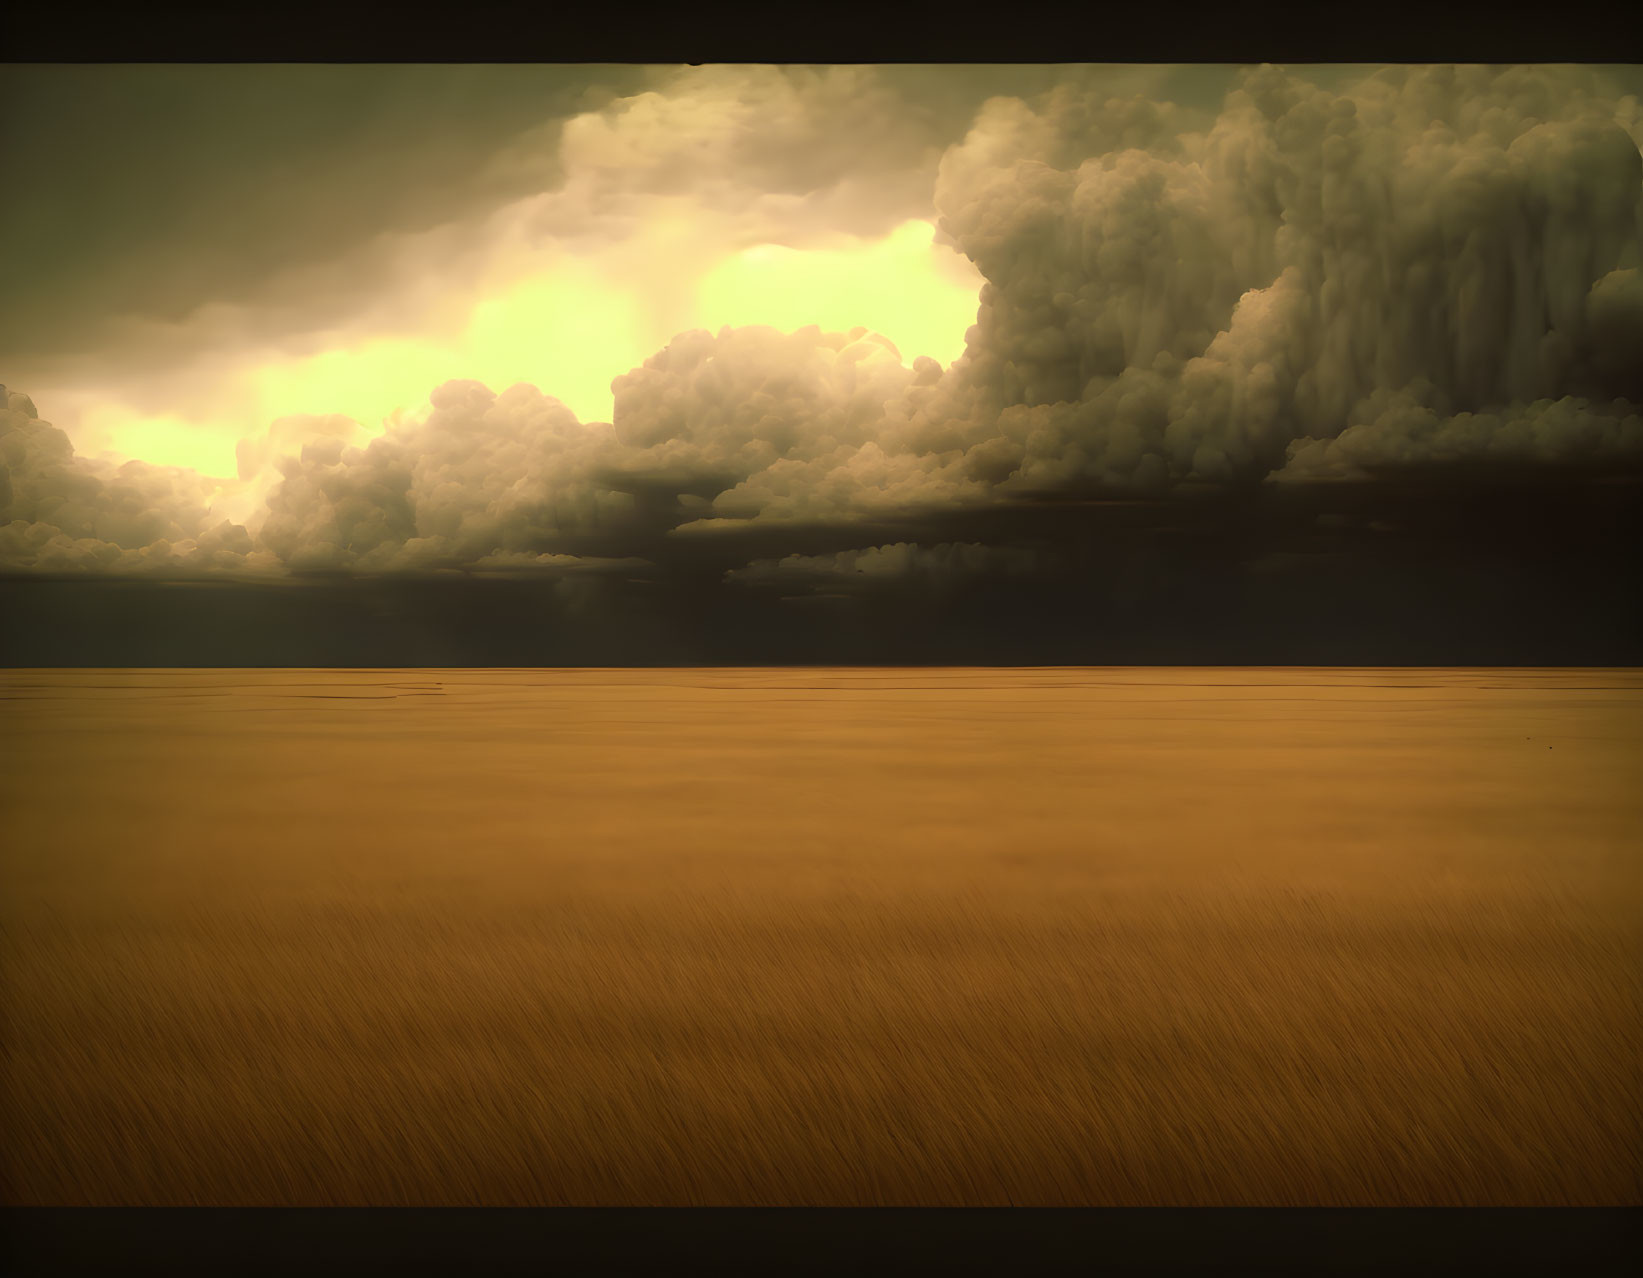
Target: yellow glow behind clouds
x: 573, y: 326
x: 165, y: 440
x: 567, y: 332
x: 900, y: 287
x: 367, y: 382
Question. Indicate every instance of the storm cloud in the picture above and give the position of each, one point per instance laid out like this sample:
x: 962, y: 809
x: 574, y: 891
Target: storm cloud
x: 1427, y: 276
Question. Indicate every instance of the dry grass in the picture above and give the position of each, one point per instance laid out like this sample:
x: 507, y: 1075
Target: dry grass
x: 794, y: 937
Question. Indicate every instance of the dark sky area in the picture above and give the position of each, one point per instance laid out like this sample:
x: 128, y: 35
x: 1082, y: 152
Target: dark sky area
x: 1520, y: 574
x: 1290, y: 365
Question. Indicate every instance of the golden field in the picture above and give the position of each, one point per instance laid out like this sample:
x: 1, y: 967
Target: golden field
x: 845, y: 936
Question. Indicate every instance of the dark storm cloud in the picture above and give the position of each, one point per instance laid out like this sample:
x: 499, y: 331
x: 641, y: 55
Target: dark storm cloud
x: 1188, y: 306
x: 1199, y: 319
x: 483, y: 475
x: 172, y: 210
x: 65, y: 514
x: 147, y: 192
x: 1439, y: 267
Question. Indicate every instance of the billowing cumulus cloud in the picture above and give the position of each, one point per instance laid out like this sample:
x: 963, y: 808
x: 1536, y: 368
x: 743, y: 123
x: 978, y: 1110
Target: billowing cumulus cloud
x: 780, y: 426
x: 1189, y: 305
x: 64, y: 514
x: 1427, y: 271
x: 837, y: 147
x: 481, y: 475
x: 614, y: 189
x: 1415, y: 428
x: 1172, y: 299
x: 482, y: 481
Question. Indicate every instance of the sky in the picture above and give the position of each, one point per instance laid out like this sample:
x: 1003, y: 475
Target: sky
x: 536, y: 364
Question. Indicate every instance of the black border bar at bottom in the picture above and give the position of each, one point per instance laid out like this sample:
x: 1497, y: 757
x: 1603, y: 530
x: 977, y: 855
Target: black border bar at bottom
x: 1566, y: 1241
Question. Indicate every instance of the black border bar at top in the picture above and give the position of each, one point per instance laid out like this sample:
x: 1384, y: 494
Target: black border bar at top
x: 1231, y: 31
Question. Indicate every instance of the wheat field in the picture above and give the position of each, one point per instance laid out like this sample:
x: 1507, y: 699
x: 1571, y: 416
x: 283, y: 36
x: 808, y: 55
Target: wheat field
x: 845, y: 936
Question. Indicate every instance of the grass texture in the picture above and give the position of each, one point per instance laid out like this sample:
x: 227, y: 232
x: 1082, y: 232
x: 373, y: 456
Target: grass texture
x: 933, y: 937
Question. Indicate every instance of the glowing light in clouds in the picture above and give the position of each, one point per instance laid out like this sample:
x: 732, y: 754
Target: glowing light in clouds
x: 922, y: 297
x: 164, y: 439
x: 569, y: 326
